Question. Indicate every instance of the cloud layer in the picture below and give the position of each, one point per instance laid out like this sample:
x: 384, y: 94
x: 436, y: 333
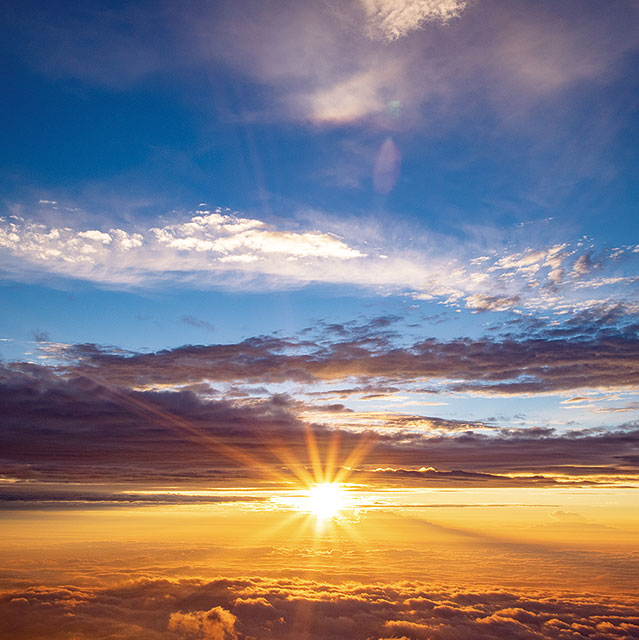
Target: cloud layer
x: 70, y: 428
x: 264, y: 609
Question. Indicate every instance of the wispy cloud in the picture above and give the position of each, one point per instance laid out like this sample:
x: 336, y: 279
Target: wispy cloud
x: 392, y: 19
x: 196, y: 322
x: 344, y: 62
x: 222, y: 249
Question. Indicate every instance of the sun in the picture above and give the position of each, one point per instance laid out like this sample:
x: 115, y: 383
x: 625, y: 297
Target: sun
x: 325, y: 500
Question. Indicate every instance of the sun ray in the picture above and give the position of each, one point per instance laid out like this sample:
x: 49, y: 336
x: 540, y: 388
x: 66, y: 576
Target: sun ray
x: 331, y: 456
x: 314, y: 454
x: 215, y: 443
x: 358, y: 453
x: 285, y: 455
x: 325, y: 496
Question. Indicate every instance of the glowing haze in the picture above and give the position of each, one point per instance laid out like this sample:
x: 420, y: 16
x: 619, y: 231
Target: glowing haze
x: 320, y: 320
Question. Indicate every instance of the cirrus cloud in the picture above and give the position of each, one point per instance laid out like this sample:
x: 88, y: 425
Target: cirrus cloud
x: 220, y: 249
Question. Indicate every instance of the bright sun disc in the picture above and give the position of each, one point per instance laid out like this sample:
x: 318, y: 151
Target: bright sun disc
x: 326, y: 500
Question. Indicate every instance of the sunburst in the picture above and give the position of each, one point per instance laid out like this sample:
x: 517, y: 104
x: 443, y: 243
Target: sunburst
x: 320, y: 483
x: 326, y: 500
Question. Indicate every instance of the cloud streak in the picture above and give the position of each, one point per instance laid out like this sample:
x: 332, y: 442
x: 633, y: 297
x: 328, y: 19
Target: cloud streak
x: 555, y: 359
x: 207, y: 242
x: 218, y: 249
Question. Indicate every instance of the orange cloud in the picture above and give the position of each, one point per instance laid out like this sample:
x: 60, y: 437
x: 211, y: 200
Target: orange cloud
x: 172, y: 610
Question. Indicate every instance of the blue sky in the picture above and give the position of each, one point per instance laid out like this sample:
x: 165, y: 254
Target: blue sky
x: 205, y: 173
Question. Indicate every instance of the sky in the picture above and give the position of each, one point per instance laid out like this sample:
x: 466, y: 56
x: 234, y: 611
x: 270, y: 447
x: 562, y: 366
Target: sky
x: 320, y: 320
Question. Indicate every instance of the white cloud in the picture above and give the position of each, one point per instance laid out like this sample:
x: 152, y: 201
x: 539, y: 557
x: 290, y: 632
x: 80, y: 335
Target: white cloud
x: 481, y: 302
x: 223, y: 250
x: 98, y: 236
x: 357, y: 96
x: 243, y: 239
x: 392, y: 19
x: 208, y: 242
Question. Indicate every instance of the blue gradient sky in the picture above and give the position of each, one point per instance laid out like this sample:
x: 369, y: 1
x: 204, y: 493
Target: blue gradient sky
x: 468, y: 168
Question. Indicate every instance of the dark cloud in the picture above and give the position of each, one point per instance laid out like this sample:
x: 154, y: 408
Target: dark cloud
x: 539, y: 364
x: 369, y: 390
x: 430, y: 423
x: 20, y: 497
x: 196, y: 322
x: 74, y: 428
x: 603, y: 320
x: 58, y: 429
x: 269, y: 609
x: 459, y: 478
x: 576, y: 453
